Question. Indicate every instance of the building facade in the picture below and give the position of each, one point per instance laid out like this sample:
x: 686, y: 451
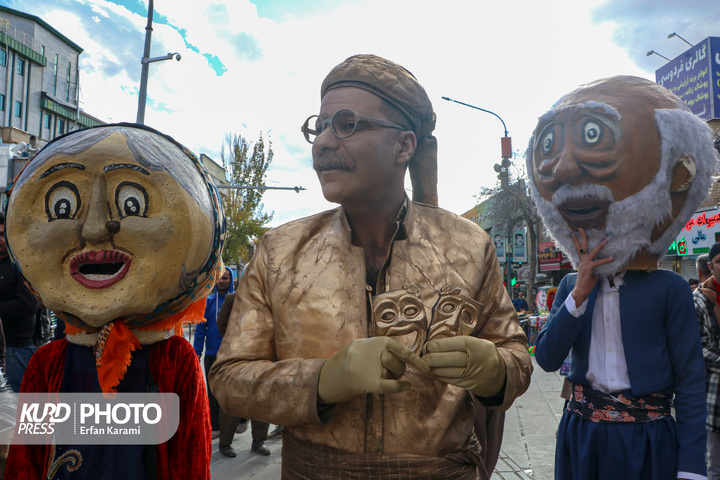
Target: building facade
x: 39, y: 88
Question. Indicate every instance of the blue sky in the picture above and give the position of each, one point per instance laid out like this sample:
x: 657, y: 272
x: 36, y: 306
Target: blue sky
x: 257, y: 66
x: 280, y: 10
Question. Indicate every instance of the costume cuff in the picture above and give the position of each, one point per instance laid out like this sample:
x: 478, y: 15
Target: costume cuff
x: 691, y: 476
x: 575, y: 310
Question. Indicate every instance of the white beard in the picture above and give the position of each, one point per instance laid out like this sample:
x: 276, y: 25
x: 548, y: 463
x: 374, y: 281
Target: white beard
x: 628, y: 227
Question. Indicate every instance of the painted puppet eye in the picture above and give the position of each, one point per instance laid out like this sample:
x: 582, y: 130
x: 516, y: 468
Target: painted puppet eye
x: 131, y: 200
x: 592, y: 132
x: 547, y: 143
x: 62, y: 201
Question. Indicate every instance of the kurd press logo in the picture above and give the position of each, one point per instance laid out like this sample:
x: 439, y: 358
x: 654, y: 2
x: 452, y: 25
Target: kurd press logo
x: 97, y: 418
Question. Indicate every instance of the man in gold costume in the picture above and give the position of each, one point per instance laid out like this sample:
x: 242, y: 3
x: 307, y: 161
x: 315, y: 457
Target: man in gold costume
x: 372, y: 331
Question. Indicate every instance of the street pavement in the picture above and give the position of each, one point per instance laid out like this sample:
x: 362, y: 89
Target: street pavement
x: 528, y: 448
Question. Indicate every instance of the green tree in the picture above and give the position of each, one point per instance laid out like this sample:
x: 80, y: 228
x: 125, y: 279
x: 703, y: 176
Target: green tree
x: 509, y: 207
x: 246, y: 164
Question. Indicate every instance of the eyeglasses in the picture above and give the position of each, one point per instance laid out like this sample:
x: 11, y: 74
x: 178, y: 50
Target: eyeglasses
x: 343, y: 124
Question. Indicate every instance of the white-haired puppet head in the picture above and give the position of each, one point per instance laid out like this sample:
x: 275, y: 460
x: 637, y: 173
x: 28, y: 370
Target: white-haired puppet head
x: 624, y: 159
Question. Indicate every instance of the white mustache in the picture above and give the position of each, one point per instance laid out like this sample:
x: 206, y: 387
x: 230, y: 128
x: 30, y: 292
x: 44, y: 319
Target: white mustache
x: 588, y: 190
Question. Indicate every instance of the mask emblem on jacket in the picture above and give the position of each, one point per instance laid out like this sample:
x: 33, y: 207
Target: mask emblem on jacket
x: 453, y: 314
x: 401, y: 314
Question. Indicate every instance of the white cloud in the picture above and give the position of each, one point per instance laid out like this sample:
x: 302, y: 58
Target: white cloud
x: 515, y: 58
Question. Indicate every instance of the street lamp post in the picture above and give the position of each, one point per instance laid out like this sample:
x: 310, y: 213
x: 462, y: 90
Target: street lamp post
x: 253, y: 187
x: 681, y: 38
x: 502, y: 169
x: 653, y: 52
x: 145, y: 66
x: 145, y: 62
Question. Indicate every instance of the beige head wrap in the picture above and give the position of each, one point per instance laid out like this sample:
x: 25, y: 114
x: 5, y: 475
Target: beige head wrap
x: 398, y: 86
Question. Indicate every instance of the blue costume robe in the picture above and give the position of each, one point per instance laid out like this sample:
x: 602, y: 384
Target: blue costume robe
x: 663, y: 354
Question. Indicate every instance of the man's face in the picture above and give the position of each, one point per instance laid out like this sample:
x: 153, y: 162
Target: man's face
x: 714, y: 266
x: 611, y: 142
x: 224, y: 283
x: 101, y: 237
x: 361, y: 169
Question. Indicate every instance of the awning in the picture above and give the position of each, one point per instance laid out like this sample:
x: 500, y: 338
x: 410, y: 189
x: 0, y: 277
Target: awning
x: 544, y: 267
x: 565, y: 265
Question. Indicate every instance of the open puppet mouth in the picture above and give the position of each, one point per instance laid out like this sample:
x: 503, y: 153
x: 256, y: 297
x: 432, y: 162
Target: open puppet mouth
x: 99, y: 269
x: 586, y: 213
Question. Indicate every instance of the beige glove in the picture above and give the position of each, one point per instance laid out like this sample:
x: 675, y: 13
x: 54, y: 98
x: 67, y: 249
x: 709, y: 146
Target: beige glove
x: 367, y: 365
x: 467, y: 362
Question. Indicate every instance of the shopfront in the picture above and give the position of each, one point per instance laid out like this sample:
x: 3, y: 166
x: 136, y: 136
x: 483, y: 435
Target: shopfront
x: 695, y: 239
x: 553, y: 263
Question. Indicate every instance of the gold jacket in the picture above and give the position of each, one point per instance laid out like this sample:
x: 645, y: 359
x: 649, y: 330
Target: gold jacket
x: 303, y: 298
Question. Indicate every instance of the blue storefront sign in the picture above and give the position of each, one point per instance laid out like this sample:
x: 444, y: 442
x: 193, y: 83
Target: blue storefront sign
x: 694, y: 76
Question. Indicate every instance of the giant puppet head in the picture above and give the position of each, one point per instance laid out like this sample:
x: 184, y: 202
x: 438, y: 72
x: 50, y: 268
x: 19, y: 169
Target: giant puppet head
x: 624, y: 159
x: 119, y: 230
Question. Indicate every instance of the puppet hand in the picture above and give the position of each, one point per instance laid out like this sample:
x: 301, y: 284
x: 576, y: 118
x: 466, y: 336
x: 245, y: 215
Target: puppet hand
x: 586, y: 278
x: 367, y: 365
x: 467, y: 362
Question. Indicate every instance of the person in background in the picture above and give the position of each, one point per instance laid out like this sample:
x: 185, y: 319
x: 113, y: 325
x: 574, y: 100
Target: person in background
x: 208, y: 338
x: 520, y: 303
x: 708, y: 314
x: 18, y: 309
x: 703, y: 272
x: 694, y: 283
x: 228, y: 423
x: 43, y: 327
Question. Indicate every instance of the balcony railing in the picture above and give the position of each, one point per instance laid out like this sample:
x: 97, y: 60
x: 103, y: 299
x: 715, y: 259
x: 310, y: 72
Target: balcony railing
x: 19, y: 35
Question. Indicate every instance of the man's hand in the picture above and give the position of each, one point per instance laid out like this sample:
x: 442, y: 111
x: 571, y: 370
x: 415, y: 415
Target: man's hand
x: 586, y: 278
x: 467, y: 362
x: 367, y: 365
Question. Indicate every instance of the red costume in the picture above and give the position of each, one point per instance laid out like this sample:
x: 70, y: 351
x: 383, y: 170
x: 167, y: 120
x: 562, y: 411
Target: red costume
x: 174, y: 368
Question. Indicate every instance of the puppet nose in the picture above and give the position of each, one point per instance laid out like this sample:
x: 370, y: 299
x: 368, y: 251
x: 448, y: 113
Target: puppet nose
x: 567, y: 170
x: 95, y: 229
x: 113, y: 226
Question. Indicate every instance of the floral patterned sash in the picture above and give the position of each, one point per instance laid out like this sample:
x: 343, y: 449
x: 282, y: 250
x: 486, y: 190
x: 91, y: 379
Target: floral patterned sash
x: 600, y: 407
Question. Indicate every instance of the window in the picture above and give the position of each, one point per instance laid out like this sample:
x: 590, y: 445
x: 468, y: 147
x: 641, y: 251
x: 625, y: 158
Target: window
x: 20, y: 66
x: 3, y: 58
x: 61, y: 126
x: 55, y: 76
x: 2, y: 102
x: 67, y: 77
x: 46, y: 120
x: 18, y: 108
